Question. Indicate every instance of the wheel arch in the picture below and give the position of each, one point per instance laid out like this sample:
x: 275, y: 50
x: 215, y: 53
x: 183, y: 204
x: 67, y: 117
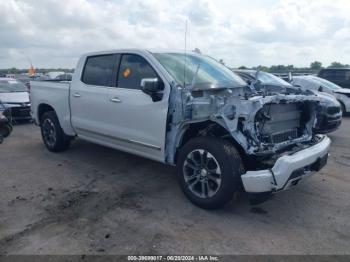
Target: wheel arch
x: 63, y: 117
x: 207, y: 128
x: 42, y: 109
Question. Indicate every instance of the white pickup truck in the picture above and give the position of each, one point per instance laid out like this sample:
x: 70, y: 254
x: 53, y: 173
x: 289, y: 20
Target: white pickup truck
x: 187, y: 110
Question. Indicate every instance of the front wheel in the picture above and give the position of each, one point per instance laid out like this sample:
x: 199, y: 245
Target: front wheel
x: 209, y: 171
x: 53, y: 136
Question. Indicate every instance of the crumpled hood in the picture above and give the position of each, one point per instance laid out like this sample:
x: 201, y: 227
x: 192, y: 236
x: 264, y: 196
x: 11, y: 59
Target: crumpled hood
x: 14, y: 97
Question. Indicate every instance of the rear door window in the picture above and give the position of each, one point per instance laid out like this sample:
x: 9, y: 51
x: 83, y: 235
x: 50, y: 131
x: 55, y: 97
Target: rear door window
x: 99, y: 70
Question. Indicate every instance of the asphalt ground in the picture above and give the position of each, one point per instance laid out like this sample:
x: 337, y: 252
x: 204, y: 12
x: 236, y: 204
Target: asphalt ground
x: 95, y: 200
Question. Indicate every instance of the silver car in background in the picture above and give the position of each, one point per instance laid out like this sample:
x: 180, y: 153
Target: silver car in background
x: 329, y: 114
x: 15, y: 98
x: 323, y: 85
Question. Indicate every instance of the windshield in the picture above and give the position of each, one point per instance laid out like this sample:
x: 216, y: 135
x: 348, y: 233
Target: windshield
x: 203, y: 72
x: 325, y: 83
x: 270, y: 79
x: 9, y: 86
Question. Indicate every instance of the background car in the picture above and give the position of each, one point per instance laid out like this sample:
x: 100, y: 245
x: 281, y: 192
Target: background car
x: 340, y: 76
x: 15, y: 97
x: 63, y: 77
x: 329, y: 114
x: 5, y: 122
x: 320, y: 84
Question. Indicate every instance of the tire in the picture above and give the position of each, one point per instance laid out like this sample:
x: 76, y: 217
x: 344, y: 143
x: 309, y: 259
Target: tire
x: 212, y: 162
x: 52, y: 134
x: 5, y: 130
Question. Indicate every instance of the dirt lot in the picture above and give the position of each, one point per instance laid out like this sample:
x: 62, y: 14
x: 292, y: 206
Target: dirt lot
x: 94, y: 200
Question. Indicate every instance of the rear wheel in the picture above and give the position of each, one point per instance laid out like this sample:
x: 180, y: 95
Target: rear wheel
x: 209, y: 171
x: 53, y: 136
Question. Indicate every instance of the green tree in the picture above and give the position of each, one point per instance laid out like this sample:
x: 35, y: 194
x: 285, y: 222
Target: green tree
x: 316, y: 65
x: 278, y: 68
x: 13, y: 70
x: 262, y: 68
x: 337, y: 65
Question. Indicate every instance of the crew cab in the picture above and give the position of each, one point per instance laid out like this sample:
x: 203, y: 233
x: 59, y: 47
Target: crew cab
x: 187, y: 110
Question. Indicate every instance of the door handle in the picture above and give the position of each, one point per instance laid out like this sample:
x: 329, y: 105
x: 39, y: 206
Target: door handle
x: 77, y: 95
x: 116, y: 100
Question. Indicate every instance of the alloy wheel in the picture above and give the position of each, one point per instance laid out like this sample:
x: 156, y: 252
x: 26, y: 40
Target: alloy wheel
x: 49, y: 132
x: 202, y: 173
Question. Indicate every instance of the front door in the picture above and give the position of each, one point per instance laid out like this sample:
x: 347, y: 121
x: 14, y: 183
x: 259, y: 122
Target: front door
x: 136, y: 122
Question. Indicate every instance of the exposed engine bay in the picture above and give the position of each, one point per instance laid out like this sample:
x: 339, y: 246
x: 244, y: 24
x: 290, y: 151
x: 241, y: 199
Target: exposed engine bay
x: 265, y: 123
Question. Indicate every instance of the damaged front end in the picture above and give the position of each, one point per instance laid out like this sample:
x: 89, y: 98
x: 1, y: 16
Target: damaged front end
x: 270, y: 126
x: 271, y: 123
x: 273, y: 130
x: 265, y: 124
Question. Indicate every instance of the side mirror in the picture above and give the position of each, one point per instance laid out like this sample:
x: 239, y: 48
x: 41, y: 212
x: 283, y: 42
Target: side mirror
x: 152, y: 87
x: 320, y: 89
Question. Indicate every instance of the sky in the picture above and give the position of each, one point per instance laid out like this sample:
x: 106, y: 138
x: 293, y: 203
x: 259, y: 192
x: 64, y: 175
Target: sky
x: 54, y: 33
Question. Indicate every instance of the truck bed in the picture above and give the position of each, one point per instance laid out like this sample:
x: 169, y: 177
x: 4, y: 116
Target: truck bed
x: 54, y: 94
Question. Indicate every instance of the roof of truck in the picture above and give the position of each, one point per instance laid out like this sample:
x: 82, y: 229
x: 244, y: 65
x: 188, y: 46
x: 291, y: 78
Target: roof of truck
x: 138, y: 50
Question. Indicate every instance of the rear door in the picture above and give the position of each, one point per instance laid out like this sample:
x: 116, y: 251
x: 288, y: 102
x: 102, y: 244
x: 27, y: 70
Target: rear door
x: 89, y: 96
x: 138, y: 124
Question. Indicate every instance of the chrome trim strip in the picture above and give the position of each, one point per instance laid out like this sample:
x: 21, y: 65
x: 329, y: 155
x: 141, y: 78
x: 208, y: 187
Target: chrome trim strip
x: 121, y: 139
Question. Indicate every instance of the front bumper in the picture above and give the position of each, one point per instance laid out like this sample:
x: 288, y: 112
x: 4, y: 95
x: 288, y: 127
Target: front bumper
x: 20, y: 113
x: 288, y: 170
